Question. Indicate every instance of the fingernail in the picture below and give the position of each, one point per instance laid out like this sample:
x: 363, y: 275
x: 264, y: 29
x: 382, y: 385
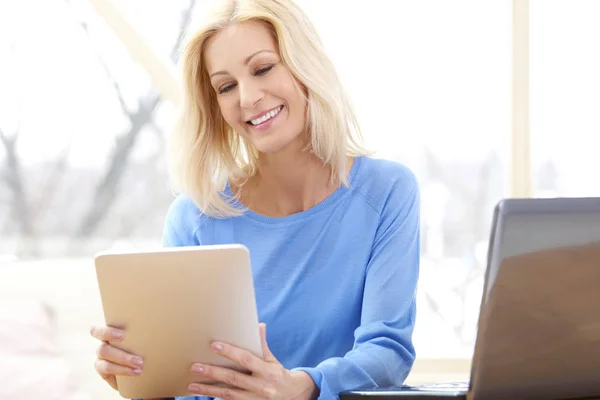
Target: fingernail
x: 217, y: 346
x: 137, y: 371
x: 194, y: 388
x: 197, y: 369
x: 137, y: 361
x: 117, y: 335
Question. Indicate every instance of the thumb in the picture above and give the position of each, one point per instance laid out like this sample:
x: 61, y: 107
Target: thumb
x: 267, y: 355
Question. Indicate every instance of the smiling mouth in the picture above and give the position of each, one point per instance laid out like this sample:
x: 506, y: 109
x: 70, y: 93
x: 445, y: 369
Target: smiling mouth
x: 261, y: 120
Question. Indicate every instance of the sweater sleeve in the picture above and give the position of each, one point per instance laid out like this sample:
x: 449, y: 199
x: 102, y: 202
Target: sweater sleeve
x: 182, y: 222
x: 383, y: 351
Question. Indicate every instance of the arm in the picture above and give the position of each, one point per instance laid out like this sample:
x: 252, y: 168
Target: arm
x: 383, y: 352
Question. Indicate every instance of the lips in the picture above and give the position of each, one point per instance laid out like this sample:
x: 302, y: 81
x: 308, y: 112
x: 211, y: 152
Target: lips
x: 264, y: 116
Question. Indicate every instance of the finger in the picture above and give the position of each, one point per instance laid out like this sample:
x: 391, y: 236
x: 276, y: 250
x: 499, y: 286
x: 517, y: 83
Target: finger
x: 235, y: 379
x: 106, y: 369
x: 267, y: 355
x: 107, y: 333
x: 112, y: 381
x: 240, y: 356
x: 219, y: 392
x: 117, y: 356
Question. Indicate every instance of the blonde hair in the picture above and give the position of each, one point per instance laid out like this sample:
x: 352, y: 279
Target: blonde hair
x: 205, y: 152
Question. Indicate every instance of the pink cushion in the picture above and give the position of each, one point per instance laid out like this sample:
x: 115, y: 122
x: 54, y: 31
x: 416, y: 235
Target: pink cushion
x: 31, y: 365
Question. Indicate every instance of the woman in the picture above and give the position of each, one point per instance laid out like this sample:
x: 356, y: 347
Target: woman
x: 266, y: 154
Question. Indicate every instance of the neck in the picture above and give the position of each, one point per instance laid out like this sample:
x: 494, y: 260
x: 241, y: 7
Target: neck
x: 287, y: 183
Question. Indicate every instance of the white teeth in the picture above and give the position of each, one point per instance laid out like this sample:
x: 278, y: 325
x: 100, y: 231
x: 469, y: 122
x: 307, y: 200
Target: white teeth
x: 266, y: 117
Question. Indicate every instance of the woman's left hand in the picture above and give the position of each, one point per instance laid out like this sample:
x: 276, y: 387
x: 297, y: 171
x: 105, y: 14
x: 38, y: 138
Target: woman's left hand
x: 268, y: 379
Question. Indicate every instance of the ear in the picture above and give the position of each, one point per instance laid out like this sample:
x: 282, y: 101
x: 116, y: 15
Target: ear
x: 267, y: 355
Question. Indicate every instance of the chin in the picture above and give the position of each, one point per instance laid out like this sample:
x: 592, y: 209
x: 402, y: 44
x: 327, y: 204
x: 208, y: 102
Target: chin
x: 269, y: 149
x: 274, y: 143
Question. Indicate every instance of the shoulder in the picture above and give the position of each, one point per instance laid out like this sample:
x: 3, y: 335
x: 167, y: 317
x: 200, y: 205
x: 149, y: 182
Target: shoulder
x: 182, y: 221
x: 182, y: 208
x: 385, y: 183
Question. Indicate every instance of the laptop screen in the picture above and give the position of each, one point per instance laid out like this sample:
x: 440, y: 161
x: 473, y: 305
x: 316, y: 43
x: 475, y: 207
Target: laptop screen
x: 524, y: 233
x: 528, y: 225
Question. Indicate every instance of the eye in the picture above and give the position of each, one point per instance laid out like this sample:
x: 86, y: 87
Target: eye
x: 264, y: 71
x: 226, y: 88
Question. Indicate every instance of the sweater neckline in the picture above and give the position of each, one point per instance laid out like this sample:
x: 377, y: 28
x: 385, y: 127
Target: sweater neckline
x: 323, y: 205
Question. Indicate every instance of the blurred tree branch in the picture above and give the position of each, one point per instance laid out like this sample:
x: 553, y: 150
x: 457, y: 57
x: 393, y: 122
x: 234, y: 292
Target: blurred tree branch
x: 107, y: 188
x: 51, y: 184
x: 115, y: 84
x: 32, y: 196
x: 184, y: 22
x: 13, y: 175
x: 477, y: 194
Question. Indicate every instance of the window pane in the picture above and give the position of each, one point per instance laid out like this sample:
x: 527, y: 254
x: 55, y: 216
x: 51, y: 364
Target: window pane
x: 565, y: 97
x: 90, y: 127
x: 431, y: 83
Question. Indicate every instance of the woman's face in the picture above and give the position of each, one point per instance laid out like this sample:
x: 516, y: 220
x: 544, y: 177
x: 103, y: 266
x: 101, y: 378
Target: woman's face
x: 258, y: 96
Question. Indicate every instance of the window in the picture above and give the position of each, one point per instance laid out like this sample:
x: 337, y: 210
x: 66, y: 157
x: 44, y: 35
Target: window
x: 83, y: 124
x: 565, y: 97
x: 431, y: 83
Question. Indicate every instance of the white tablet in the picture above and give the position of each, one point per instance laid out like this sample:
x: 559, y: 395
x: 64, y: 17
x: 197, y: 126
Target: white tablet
x: 172, y: 303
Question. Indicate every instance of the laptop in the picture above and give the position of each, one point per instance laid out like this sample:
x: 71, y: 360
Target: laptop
x: 539, y: 323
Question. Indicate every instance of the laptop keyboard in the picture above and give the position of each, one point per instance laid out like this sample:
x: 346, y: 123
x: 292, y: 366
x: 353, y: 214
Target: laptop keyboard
x: 441, y: 386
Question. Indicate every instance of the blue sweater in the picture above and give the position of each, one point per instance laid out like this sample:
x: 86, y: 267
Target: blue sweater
x: 335, y: 284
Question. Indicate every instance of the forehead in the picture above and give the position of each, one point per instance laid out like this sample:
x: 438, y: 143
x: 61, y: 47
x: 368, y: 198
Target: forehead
x: 231, y: 46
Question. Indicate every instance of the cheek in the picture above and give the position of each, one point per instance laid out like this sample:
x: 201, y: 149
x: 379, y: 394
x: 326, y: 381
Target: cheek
x: 229, y: 113
x: 300, y: 104
x: 291, y: 89
x: 295, y: 96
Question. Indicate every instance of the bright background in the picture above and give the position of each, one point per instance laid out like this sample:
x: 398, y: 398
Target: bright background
x: 83, y: 132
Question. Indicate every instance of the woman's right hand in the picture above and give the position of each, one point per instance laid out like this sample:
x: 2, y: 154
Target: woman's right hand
x: 111, y: 361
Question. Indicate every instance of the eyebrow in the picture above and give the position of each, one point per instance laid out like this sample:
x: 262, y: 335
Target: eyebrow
x: 246, y: 61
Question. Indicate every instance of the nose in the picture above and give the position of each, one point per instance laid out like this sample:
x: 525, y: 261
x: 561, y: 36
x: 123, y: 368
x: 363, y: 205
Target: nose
x: 250, y: 94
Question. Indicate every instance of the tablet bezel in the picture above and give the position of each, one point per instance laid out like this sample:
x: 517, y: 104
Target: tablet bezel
x: 186, y: 297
